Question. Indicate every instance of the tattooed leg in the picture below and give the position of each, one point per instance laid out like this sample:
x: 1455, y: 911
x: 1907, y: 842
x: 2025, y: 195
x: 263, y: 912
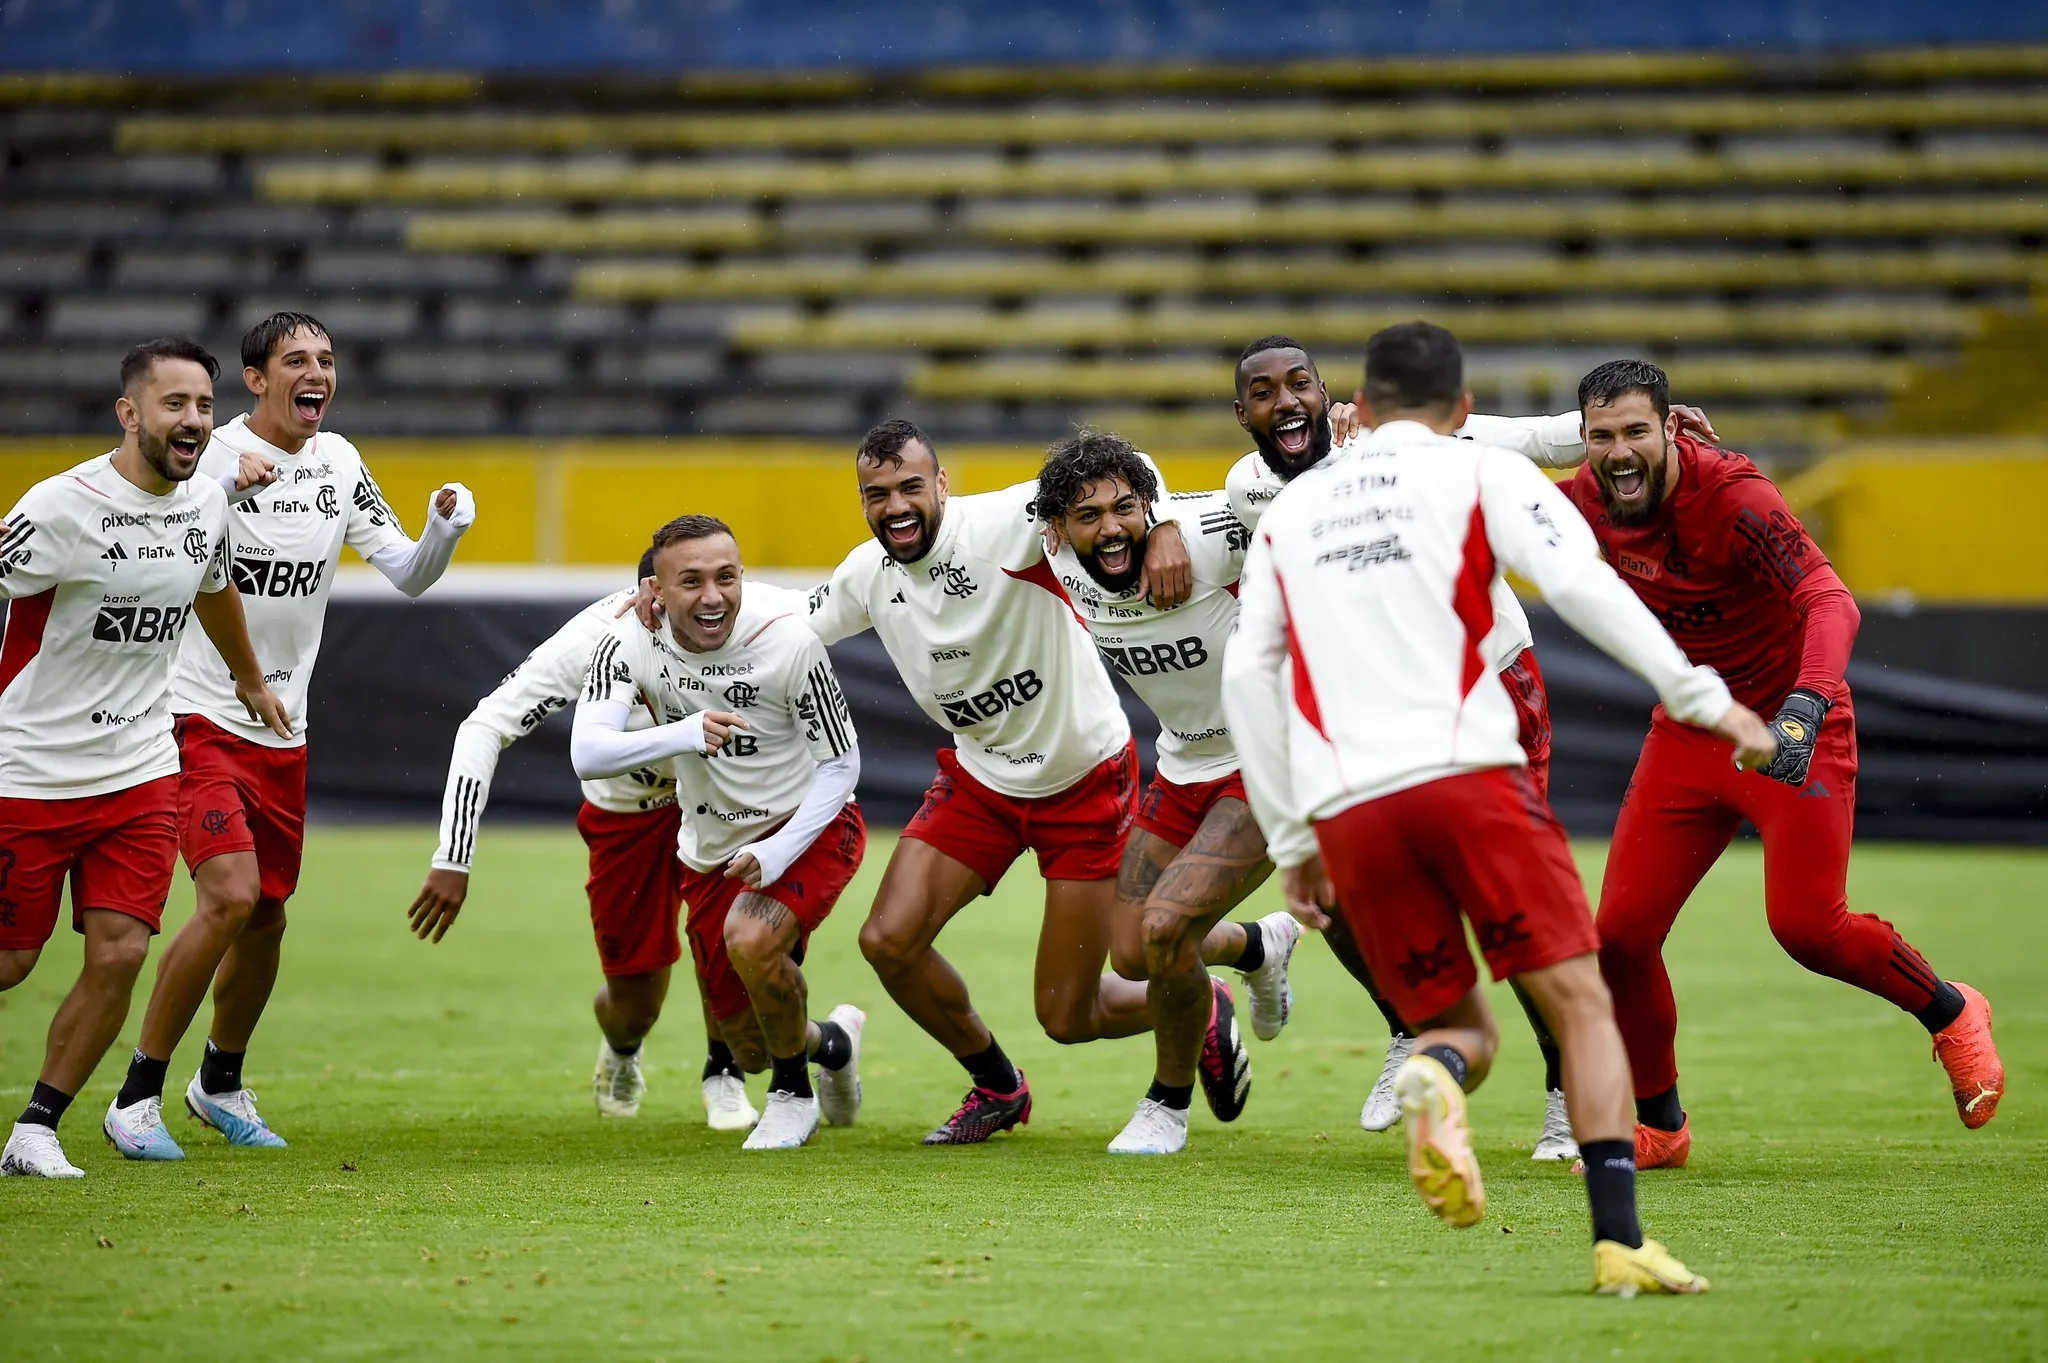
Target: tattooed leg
x: 1221, y: 864
x: 1146, y: 857
x: 761, y: 935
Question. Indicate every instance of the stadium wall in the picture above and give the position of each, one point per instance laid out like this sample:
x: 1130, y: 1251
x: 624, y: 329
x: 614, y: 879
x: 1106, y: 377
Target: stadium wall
x: 480, y: 35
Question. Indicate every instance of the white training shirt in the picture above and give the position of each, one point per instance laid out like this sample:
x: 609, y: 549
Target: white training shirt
x: 1173, y: 658
x: 548, y: 680
x: 1357, y: 669
x: 775, y: 674
x: 100, y: 576
x: 987, y: 644
x: 286, y: 540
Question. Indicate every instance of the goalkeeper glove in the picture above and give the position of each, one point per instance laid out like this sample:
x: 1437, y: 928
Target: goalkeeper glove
x: 1796, y: 728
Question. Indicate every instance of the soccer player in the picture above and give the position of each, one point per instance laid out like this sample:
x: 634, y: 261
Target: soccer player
x: 1195, y: 852
x: 1707, y: 542
x: 1284, y: 406
x: 104, y: 566
x: 629, y: 824
x: 242, y: 789
x: 974, y: 618
x: 1382, y: 753
x: 749, y: 710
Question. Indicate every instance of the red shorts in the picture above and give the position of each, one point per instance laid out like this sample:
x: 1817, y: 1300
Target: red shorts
x: 635, y: 887
x: 1481, y: 846
x: 808, y: 889
x: 1524, y: 681
x: 238, y: 796
x: 119, y: 850
x: 1172, y: 812
x: 1078, y: 834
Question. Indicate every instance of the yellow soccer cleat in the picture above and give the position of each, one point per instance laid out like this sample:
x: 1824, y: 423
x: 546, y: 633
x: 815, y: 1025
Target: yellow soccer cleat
x: 1440, y: 1158
x: 1619, y: 1271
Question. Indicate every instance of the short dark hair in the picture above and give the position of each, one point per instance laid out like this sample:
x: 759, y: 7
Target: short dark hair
x: 1413, y: 365
x: 884, y: 444
x: 646, y: 565
x: 1084, y: 458
x: 686, y: 528
x: 1609, y: 381
x: 260, y: 340
x: 1266, y: 343
x: 137, y: 363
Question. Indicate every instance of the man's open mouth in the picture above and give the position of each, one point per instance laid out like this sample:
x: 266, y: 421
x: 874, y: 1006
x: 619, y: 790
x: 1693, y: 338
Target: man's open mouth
x: 903, y: 530
x: 711, y: 622
x: 186, y: 443
x: 1113, y: 557
x: 309, y: 405
x: 1291, y: 433
x: 1627, y: 479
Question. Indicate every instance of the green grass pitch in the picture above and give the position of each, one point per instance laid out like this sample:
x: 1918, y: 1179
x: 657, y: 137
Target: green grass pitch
x: 450, y: 1193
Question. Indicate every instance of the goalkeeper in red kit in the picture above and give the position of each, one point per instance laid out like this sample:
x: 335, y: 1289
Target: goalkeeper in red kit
x: 1707, y: 543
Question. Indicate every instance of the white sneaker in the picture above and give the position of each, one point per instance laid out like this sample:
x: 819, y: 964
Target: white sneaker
x: 725, y: 1104
x: 1154, y: 1129
x: 787, y: 1121
x: 32, y: 1152
x: 839, y: 1090
x: 617, y: 1083
x: 1272, y: 996
x: 1382, y: 1108
x: 1556, y: 1142
x: 138, y: 1131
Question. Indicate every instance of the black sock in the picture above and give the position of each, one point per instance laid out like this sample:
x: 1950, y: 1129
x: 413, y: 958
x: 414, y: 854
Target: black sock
x: 624, y: 1051
x: 45, y: 1106
x: 791, y: 1075
x: 718, y: 1060
x: 145, y: 1080
x: 1452, y: 1059
x: 835, y: 1047
x: 220, y: 1071
x: 1553, y: 1060
x: 1254, y: 954
x: 1945, y: 1007
x: 991, y: 1069
x: 1661, y: 1110
x: 1175, y: 1096
x: 1553, y: 1067
x: 1611, y: 1188
x: 1395, y: 1027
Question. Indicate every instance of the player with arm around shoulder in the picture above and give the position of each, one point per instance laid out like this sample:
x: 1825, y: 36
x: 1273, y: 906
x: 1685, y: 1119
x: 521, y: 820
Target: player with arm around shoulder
x: 1382, y: 757
x: 1708, y: 544
x: 750, y: 712
x: 104, y: 567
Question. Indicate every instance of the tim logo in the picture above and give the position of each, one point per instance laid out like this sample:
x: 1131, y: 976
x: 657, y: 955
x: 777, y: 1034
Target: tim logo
x: 327, y: 503
x: 277, y: 578
x: 214, y: 821
x: 1635, y: 565
x: 1004, y: 696
x: 742, y: 695
x: 1183, y: 655
x: 196, y: 547
x: 958, y: 583
x: 139, y: 624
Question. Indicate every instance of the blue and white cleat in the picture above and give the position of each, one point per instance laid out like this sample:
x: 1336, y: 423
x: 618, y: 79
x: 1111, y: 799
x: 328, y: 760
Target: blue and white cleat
x: 233, y: 1114
x: 1271, y: 994
x: 138, y: 1131
x: 1155, y: 1129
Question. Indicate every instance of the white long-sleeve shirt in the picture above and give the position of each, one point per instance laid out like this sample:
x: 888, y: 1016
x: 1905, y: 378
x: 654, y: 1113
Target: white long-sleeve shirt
x: 548, y: 680
x: 285, y: 540
x: 1358, y: 668
x: 987, y: 644
x: 1547, y: 441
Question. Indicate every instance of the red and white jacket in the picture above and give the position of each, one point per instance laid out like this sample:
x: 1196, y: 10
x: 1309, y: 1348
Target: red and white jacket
x: 1359, y: 665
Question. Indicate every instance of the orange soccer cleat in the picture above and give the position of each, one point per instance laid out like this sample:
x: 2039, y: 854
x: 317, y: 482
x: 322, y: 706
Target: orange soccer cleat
x: 1966, y: 1051
x: 1657, y: 1149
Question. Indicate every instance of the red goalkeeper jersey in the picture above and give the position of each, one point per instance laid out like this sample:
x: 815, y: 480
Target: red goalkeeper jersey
x: 1734, y: 577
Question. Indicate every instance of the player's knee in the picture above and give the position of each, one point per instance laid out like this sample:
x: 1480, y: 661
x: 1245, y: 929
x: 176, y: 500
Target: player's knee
x: 887, y: 952
x: 228, y: 893
x: 117, y: 956
x: 15, y: 966
x: 1066, y: 1030
x: 1127, y: 959
x: 750, y: 942
x: 1172, y: 944
x: 265, y: 920
x: 1813, y: 942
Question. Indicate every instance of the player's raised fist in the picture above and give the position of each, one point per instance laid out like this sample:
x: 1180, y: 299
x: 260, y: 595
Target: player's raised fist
x: 1796, y: 728
x: 253, y: 470
x: 454, y: 504
x: 718, y: 727
x: 1755, y: 745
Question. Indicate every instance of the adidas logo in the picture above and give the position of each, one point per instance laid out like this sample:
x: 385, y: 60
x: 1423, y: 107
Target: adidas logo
x: 114, y: 552
x: 1814, y: 790
x: 897, y: 599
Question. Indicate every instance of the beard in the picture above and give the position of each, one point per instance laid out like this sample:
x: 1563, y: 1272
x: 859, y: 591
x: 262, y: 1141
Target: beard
x: 916, y: 549
x: 1640, y: 512
x: 1116, y: 583
x: 1287, y: 466
x: 156, y: 452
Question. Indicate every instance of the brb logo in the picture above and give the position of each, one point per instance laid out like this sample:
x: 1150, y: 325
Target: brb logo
x: 1183, y: 655
x: 1006, y: 695
x: 279, y: 577
x: 140, y: 624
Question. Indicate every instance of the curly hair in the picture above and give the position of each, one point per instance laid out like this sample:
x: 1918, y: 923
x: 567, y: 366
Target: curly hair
x: 1084, y: 459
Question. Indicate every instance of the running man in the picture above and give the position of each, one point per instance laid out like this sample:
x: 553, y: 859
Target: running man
x: 103, y: 568
x: 1196, y: 851
x: 1705, y: 539
x: 1383, y: 757
x: 960, y: 593
x: 242, y: 791
x: 629, y: 824
x: 749, y: 710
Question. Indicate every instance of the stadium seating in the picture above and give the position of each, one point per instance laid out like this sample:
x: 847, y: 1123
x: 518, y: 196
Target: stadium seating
x: 1000, y: 252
